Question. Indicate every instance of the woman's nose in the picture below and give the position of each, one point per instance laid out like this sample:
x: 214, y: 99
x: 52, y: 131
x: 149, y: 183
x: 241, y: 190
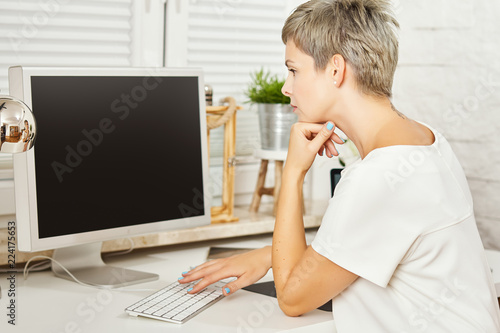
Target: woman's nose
x: 286, y: 89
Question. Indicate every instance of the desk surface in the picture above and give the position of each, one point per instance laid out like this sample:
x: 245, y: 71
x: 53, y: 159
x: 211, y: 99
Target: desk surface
x: 45, y: 303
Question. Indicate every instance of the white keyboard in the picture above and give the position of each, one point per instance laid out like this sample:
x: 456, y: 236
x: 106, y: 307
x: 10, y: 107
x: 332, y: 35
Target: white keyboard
x: 174, y: 304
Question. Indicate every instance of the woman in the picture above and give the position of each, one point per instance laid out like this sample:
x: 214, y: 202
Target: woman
x: 398, y: 249
x: 26, y: 135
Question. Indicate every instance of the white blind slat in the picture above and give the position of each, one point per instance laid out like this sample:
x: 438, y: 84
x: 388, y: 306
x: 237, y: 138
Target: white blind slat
x: 40, y: 9
x: 81, y: 48
x: 224, y: 46
x: 77, y: 22
x: 19, y: 41
x: 241, y: 25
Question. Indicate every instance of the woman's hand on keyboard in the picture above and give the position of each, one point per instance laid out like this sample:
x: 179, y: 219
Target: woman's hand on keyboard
x: 248, y: 268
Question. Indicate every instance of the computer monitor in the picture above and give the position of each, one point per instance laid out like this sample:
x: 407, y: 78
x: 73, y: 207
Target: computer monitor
x: 120, y: 152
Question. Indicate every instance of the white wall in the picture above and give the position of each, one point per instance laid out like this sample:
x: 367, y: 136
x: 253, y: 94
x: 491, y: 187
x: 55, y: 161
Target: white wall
x: 449, y: 77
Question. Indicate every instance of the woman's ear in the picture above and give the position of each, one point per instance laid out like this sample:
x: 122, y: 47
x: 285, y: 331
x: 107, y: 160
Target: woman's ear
x: 338, y: 65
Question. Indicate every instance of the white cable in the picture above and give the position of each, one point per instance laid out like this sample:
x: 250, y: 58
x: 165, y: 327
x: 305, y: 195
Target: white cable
x: 45, y: 264
x: 40, y: 266
x: 26, y: 272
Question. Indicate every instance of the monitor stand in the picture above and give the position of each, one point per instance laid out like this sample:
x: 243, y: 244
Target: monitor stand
x: 85, y: 263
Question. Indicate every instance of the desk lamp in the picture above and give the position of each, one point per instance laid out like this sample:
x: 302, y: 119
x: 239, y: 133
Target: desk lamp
x: 16, y: 120
x: 17, y: 126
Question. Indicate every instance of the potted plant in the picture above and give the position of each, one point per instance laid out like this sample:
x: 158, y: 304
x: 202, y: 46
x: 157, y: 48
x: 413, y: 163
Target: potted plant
x: 275, y: 112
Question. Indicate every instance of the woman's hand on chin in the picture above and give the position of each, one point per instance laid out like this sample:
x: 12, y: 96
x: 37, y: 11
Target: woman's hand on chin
x: 307, y: 139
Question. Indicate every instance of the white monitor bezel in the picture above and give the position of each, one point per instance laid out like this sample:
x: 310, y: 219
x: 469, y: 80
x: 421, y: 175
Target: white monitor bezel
x: 24, y: 164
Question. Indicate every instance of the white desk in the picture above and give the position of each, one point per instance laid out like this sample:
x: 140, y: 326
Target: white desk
x: 48, y: 304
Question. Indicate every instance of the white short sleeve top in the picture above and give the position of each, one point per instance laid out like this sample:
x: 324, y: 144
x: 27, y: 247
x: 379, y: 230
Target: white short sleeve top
x: 402, y: 220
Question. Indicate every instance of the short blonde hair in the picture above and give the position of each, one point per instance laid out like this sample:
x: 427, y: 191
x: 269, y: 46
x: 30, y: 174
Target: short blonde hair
x: 362, y: 31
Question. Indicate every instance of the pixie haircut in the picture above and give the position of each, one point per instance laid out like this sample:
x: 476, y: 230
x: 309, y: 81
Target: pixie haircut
x: 362, y: 31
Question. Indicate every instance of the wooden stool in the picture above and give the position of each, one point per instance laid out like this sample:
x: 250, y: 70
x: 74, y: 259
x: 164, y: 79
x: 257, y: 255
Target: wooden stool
x: 266, y: 155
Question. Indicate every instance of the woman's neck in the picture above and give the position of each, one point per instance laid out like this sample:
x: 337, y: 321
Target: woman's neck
x: 364, y: 118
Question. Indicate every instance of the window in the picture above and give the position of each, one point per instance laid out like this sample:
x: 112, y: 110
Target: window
x: 229, y: 39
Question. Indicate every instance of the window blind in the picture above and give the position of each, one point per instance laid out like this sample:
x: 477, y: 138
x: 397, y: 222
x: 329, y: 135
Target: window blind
x: 230, y: 39
x: 64, y: 33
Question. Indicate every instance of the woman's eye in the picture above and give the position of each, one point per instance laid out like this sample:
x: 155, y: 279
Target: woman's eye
x: 292, y: 71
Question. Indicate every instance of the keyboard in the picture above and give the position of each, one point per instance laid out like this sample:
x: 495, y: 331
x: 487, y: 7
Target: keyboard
x: 174, y: 304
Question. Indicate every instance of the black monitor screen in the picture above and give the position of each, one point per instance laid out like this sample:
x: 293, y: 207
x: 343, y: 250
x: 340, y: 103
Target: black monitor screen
x: 116, y: 151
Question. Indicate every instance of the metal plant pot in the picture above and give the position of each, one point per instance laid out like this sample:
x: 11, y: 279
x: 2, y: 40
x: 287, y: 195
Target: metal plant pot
x: 275, y: 121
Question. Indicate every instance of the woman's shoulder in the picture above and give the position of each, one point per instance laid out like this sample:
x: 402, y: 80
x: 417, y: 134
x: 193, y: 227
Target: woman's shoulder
x: 404, y: 146
x: 392, y: 169
x: 405, y: 132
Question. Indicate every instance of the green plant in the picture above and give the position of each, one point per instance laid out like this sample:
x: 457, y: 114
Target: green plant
x: 266, y: 88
